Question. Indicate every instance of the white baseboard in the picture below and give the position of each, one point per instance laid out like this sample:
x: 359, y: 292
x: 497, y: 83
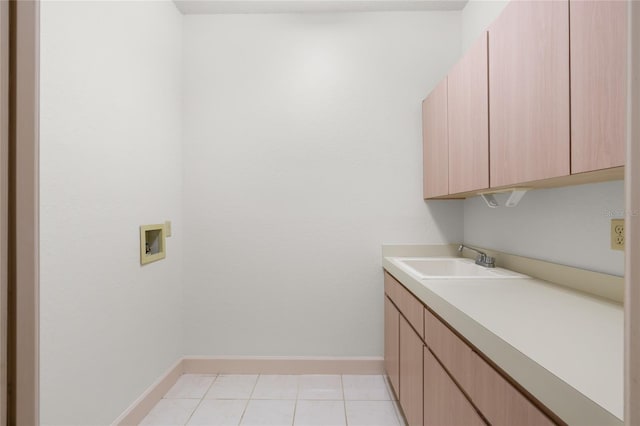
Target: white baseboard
x: 150, y: 397
x: 283, y: 365
x: 244, y: 365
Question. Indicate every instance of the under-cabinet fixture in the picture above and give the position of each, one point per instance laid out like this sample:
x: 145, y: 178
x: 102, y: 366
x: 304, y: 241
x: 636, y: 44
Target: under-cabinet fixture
x: 490, y: 199
x: 514, y: 197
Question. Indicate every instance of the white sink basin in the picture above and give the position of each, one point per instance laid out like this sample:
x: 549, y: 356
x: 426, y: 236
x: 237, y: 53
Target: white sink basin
x: 450, y: 268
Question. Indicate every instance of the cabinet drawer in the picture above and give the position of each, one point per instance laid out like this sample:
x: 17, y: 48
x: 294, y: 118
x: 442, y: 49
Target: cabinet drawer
x: 407, y: 303
x: 444, y: 403
x: 499, y: 401
x: 453, y: 353
x: 391, y: 287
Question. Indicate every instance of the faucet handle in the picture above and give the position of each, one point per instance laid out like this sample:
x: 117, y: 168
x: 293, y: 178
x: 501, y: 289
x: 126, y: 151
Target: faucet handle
x: 489, y: 261
x: 485, y: 260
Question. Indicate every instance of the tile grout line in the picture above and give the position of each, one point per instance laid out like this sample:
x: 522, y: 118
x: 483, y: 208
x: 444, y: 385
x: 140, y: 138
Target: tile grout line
x: 344, y: 401
x: 201, y: 399
x: 295, y: 405
x: 249, y: 399
x: 295, y: 409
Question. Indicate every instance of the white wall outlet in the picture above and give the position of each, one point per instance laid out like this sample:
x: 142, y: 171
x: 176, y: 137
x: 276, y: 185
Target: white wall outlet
x: 617, y: 234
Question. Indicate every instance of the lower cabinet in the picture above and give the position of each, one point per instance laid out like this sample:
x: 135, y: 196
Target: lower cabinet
x: 411, y: 399
x: 392, y: 344
x: 444, y: 402
x: 500, y: 402
x: 440, y: 380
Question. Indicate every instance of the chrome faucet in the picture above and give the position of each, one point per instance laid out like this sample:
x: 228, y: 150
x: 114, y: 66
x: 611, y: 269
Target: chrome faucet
x: 483, y: 259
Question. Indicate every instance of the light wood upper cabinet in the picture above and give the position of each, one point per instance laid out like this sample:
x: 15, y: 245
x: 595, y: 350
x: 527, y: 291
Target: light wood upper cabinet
x: 468, y: 120
x: 392, y: 344
x: 540, y: 97
x: 435, y: 149
x: 598, y: 84
x: 411, y: 374
x: 529, y: 92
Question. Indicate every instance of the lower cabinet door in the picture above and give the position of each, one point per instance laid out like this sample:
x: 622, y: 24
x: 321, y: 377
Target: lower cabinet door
x: 392, y: 344
x: 411, y: 374
x: 500, y: 403
x: 444, y: 402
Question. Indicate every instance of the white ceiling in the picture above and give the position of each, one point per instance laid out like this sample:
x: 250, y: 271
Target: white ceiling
x: 305, y: 6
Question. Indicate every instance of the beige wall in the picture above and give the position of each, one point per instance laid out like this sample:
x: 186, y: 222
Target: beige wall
x: 110, y: 162
x: 302, y: 156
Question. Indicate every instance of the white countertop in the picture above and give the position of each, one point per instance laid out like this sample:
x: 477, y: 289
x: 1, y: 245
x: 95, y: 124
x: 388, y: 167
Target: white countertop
x: 565, y: 347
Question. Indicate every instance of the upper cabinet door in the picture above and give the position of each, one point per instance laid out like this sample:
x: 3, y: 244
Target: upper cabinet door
x: 468, y: 116
x: 435, y: 143
x: 598, y: 84
x: 529, y: 92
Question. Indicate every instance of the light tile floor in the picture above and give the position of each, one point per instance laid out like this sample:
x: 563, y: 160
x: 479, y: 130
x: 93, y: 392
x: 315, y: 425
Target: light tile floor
x: 277, y: 400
